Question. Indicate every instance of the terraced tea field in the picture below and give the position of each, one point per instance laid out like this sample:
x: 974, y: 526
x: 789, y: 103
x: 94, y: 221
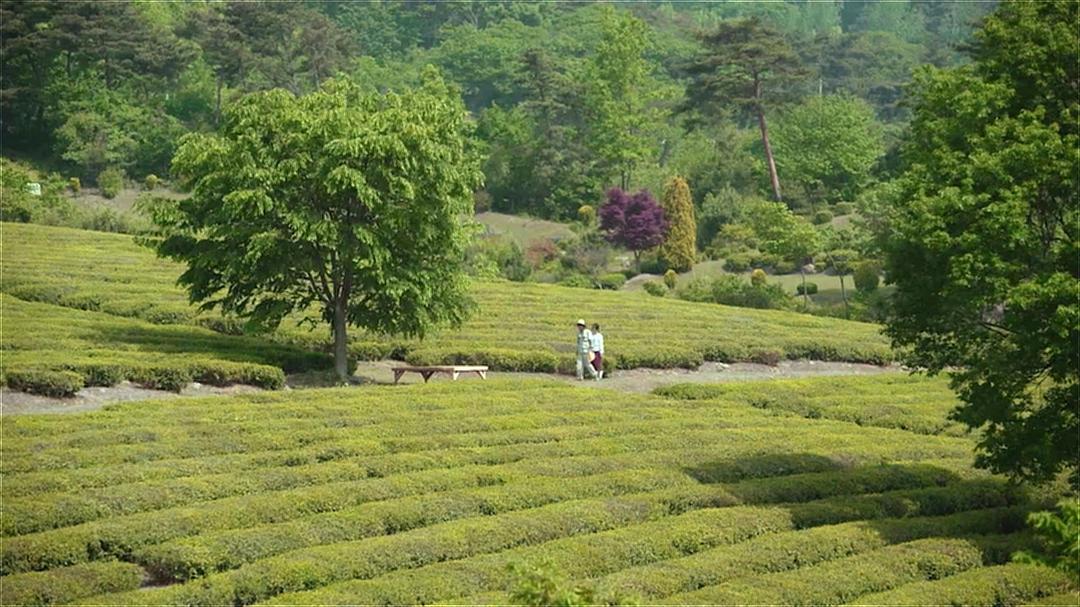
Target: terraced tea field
x: 120, y: 289
x: 428, y: 493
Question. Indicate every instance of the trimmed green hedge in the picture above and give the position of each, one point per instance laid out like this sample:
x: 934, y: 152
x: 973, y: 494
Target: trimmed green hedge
x: 44, y: 382
x: 66, y: 584
x: 1011, y: 584
x: 844, y: 579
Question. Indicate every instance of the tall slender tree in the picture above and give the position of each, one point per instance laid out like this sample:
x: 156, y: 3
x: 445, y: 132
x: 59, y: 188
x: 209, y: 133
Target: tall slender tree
x: 750, y: 65
x: 680, y: 247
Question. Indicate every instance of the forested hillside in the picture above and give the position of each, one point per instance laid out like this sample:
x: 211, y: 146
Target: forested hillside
x: 568, y: 99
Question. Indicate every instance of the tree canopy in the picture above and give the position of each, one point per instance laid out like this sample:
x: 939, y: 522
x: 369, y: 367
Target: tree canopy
x: 348, y: 202
x: 982, y: 238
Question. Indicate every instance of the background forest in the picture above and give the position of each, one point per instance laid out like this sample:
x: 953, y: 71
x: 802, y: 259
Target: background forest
x: 566, y: 99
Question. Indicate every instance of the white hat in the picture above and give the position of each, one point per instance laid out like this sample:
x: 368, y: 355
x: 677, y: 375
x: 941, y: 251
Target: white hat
x: 581, y: 321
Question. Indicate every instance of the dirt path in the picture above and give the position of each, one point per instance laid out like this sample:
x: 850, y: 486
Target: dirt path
x: 645, y: 380
x: 379, y: 372
x: 89, y: 399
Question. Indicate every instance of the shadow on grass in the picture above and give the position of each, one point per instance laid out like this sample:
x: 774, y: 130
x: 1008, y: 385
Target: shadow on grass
x: 763, y: 466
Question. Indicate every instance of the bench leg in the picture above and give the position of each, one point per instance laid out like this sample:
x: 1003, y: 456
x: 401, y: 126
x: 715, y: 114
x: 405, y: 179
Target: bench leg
x: 482, y: 374
x: 455, y: 376
x: 397, y: 375
x: 427, y: 375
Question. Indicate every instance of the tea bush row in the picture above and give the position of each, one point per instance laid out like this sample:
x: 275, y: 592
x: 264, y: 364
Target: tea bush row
x: 110, y: 273
x: 844, y: 579
x: 338, y: 559
x: 54, y: 351
x: 769, y: 553
x: 790, y: 551
x: 217, y: 551
x: 1011, y: 584
x: 839, y: 399
x: 765, y: 535
x: 67, y: 584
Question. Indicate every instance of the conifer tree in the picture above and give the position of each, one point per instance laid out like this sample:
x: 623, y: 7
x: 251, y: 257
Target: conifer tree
x: 680, y: 248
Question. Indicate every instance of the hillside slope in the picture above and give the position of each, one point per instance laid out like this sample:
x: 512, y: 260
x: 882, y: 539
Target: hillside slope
x: 516, y: 326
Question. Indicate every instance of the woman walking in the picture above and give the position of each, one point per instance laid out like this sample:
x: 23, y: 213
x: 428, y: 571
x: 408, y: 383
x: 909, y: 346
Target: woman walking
x: 596, y: 339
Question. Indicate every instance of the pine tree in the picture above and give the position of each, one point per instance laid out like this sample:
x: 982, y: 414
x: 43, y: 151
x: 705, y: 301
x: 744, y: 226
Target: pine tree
x: 680, y: 248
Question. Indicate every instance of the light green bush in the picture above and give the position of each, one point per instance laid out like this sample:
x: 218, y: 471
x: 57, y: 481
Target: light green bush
x: 111, y: 182
x: 44, y: 382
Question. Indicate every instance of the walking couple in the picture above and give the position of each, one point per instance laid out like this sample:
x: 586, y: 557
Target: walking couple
x: 590, y: 351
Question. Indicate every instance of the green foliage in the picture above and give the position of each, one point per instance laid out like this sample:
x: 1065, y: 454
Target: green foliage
x: 612, y: 281
x: 809, y: 288
x: 539, y: 586
x: 671, y: 278
x: 821, y: 217
x: 75, y: 185
x: 151, y: 181
x: 867, y: 276
x: 779, y: 231
x: 732, y: 290
x: 44, y: 382
x: 1058, y: 533
x: 496, y: 257
x: 135, y: 314
x: 67, y: 584
x: 758, y: 277
x: 111, y: 182
x: 982, y: 241
x: 587, y: 214
x: 679, y: 249
x: 654, y: 288
x: 401, y: 274
x: 828, y: 146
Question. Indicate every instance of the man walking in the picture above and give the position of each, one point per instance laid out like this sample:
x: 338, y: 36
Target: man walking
x: 584, y: 349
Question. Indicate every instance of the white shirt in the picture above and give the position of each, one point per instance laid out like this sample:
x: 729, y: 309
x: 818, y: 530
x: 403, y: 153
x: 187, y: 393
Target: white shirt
x: 597, y: 341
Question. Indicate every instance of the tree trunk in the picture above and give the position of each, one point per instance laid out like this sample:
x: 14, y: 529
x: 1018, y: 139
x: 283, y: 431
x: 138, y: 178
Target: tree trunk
x: 341, y: 351
x: 805, y: 295
x: 774, y: 179
x: 843, y: 294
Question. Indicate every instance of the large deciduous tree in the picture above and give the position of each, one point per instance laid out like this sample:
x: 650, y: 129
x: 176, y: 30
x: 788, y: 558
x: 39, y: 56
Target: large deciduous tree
x: 982, y: 242
x: 748, y: 64
x: 347, y: 202
x: 633, y: 221
x: 828, y: 145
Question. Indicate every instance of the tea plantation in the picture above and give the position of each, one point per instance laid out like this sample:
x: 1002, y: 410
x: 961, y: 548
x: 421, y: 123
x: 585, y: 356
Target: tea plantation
x: 121, y: 291
x: 768, y: 492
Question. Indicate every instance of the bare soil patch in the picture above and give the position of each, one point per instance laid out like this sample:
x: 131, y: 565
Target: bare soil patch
x: 88, y: 399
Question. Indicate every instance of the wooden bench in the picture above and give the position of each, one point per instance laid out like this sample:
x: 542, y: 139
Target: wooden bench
x: 452, y: 370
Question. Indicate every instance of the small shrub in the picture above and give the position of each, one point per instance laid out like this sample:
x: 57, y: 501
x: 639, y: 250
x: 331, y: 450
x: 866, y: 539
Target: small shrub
x: 481, y: 201
x: 101, y: 374
x: 578, y: 281
x: 111, y: 182
x: 105, y: 220
x: 810, y: 288
x: 613, y: 281
x: 867, y: 276
x: 653, y: 265
x: 758, y: 277
x: 783, y: 266
x: 654, y: 288
x: 586, y: 214
x: 151, y: 182
x: 844, y: 208
x: 75, y: 185
x: 45, y: 383
x: 768, y: 356
x: 173, y: 379
x: 739, y: 262
x: 821, y: 217
x: 671, y: 279
x: 540, y: 252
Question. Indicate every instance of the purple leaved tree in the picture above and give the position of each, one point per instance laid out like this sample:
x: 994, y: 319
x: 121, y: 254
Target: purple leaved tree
x: 635, y: 222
